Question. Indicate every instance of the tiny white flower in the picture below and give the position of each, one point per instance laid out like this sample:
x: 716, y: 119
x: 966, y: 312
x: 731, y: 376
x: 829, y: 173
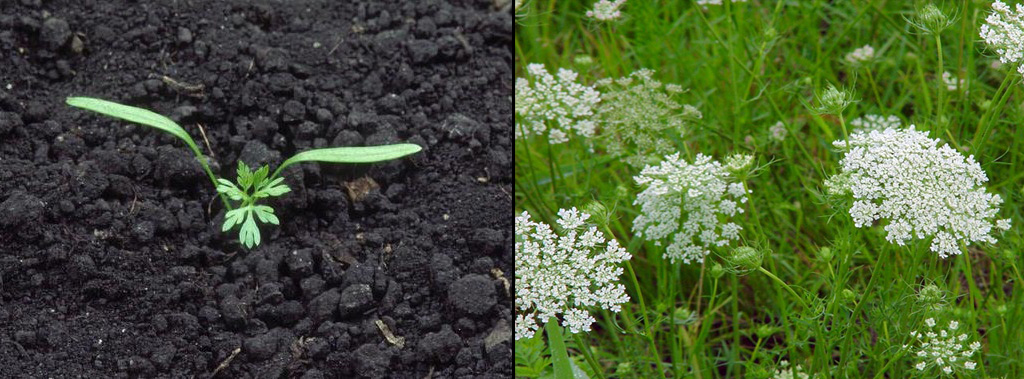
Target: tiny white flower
x: 690, y: 206
x: 861, y: 55
x: 952, y: 83
x: 605, y: 10
x: 554, y: 106
x: 870, y: 122
x: 1003, y: 31
x: 565, y: 273
x: 943, y: 350
x: 639, y: 115
x: 924, y: 190
x: 705, y: 3
x: 778, y: 131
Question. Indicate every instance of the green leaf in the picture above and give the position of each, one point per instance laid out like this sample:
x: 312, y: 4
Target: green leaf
x: 265, y: 214
x: 226, y: 187
x: 133, y: 114
x: 249, y: 235
x: 559, y: 356
x: 244, y: 175
x: 260, y: 176
x: 233, y: 217
x: 363, y: 154
x: 274, y: 188
x: 148, y: 118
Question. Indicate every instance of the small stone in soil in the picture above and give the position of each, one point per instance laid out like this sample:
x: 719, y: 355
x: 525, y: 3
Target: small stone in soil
x: 473, y: 294
x: 354, y: 299
x: 441, y: 346
x: 371, y: 360
x: 55, y: 33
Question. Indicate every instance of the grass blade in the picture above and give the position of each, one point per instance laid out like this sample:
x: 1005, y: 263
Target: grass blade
x: 361, y: 154
x: 133, y: 114
x: 148, y: 118
x: 559, y: 356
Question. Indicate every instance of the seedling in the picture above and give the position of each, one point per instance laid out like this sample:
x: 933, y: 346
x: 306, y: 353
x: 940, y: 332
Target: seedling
x: 252, y: 185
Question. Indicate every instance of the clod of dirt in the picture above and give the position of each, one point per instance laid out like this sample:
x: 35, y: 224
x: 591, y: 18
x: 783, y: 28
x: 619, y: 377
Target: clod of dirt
x: 257, y: 154
x: 300, y: 263
x: 473, y: 294
x: 359, y: 188
x: 55, y: 33
x: 9, y: 121
x: 20, y: 208
x: 355, y: 299
x: 372, y: 361
x: 422, y: 50
x: 321, y: 307
x: 440, y: 346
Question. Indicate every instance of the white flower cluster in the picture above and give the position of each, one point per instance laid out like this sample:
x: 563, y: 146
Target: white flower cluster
x: 605, y: 10
x: 705, y: 3
x: 861, y: 55
x: 565, y: 273
x: 952, y: 82
x: 637, y: 111
x: 684, y: 203
x: 786, y: 372
x: 1004, y: 31
x: 871, y: 122
x: 778, y: 132
x: 924, y: 190
x: 554, y: 105
x: 945, y: 350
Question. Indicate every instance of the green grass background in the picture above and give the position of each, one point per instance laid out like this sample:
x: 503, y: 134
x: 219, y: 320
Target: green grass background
x: 748, y: 66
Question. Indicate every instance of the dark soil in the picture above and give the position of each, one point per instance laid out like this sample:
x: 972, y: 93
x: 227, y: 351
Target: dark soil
x: 112, y: 263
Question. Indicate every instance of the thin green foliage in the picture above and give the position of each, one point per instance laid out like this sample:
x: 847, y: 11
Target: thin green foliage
x: 834, y: 299
x: 252, y: 185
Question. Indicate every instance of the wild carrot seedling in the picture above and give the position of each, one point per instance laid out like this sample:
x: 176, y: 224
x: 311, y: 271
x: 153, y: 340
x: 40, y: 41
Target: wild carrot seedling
x: 252, y: 185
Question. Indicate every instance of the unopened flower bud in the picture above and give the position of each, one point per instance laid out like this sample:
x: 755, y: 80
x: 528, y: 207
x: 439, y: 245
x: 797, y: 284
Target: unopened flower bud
x: 931, y: 20
x: 930, y: 294
x: 599, y: 214
x: 684, y: 316
x: 765, y: 331
x: 717, y: 270
x: 746, y: 258
x: 622, y: 192
x: 833, y: 100
x: 825, y: 254
x: 848, y: 295
x: 583, y: 60
x: 739, y: 165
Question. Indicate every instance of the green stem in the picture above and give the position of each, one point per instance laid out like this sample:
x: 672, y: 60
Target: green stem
x: 942, y: 86
x: 984, y: 124
x: 846, y: 134
x: 594, y: 365
x: 968, y: 273
x: 874, y: 86
x: 647, y: 324
x: 213, y: 179
x: 784, y: 285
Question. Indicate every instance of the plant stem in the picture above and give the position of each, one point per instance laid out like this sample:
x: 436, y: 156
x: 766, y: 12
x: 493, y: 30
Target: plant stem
x: 647, y: 324
x: 784, y: 285
x: 594, y: 365
x: 968, y: 273
x: 984, y: 124
x: 942, y: 86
